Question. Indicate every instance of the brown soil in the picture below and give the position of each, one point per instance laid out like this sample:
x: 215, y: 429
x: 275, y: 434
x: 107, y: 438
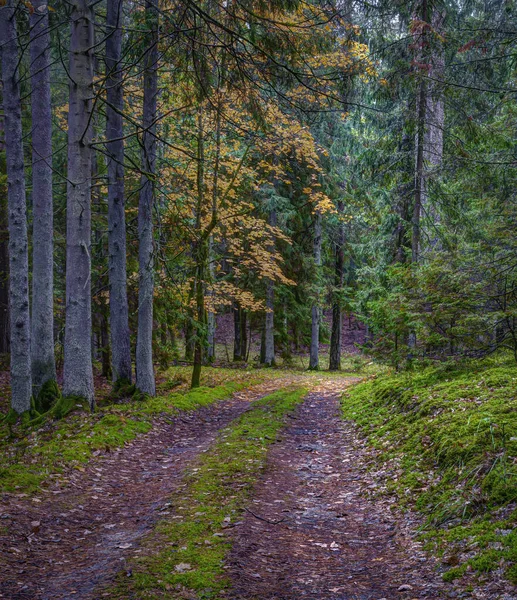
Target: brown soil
x: 67, y: 543
x: 311, y: 533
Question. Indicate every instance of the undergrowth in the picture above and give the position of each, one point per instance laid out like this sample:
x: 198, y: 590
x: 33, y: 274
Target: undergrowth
x: 448, y: 434
x: 33, y: 453
x: 184, y: 556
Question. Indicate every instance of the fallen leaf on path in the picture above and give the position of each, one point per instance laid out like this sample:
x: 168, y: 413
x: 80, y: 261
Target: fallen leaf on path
x: 35, y: 526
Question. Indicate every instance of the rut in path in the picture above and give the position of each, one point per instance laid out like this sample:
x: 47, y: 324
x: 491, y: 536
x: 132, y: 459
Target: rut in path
x: 90, y: 527
x: 312, y: 533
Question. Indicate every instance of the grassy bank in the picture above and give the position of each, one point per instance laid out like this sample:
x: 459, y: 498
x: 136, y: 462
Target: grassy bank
x: 184, y: 556
x: 447, y: 438
x: 32, y: 456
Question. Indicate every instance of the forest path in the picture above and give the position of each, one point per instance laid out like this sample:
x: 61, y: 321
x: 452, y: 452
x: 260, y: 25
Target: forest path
x: 87, y: 529
x: 313, y: 534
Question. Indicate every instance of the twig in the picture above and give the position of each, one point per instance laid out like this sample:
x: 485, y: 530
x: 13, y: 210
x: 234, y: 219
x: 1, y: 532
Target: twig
x: 263, y: 519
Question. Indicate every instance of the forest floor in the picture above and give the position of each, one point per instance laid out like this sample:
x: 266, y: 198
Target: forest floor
x: 263, y: 493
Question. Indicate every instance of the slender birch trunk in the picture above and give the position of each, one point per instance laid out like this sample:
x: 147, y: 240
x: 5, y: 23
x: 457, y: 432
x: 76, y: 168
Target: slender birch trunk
x: 21, y: 383
x: 337, y: 312
x: 211, y: 324
x: 78, y: 372
x: 238, y: 350
x: 119, y: 312
x: 145, y: 380
x: 4, y: 252
x: 42, y: 343
x: 315, y: 310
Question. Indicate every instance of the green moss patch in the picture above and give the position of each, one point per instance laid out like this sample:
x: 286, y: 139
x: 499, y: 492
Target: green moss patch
x: 448, y: 435
x: 185, y: 554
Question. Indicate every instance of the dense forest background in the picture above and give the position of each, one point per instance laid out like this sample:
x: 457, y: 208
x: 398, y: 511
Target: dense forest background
x: 249, y: 181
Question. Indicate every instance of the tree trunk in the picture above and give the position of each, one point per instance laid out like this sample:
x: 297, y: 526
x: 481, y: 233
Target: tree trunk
x: 244, y: 334
x: 21, y: 382
x: 337, y: 313
x: 419, y: 169
x: 434, y: 125
x: 269, y: 324
x: 429, y: 130
x: 4, y: 253
x: 119, y: 312
x: 315, y: 310
x: 42, y: 332
x: 78, y: 372
x: 104, y: 341
x: 211, y: 324
x: 238, y: 350
x: 145, y: 381
x: 200, y: 255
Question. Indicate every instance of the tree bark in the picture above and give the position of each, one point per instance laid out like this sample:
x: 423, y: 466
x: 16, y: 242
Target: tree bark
x: 200, y: 254
x: 78, y: 372
x: 429, y: 132
x: 238, y: 350
x: 337, y: 313
x: 42, y: 343
x: 315, y: 310
x: 434, y: 125
x: 4, y: 252
x: 211, y: 323
x: 21, y: 382
x: 119, y: 311
x: 269, y: 323
x: 145, y: 380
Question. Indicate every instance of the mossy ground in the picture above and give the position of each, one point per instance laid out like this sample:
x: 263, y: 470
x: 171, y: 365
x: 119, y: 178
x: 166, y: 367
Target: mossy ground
x: 449, y: 436
x: 185, y: 553
x: 34, y: 453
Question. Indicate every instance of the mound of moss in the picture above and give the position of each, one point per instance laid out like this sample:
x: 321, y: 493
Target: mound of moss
x: 449, y: 434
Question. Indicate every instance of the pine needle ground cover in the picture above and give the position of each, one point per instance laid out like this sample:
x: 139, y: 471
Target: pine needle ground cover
x: 447, y: 438
x: 33, y: 454
x: 184, y: 556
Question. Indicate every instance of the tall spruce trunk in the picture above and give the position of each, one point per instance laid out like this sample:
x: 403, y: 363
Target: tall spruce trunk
x: 78, y: 372
x: 337, y: 312
x: 200, y: 254
x: 42, y: 332
x: 145, y: 380
x: 211, y: 320
x: 419, y: 170
x: 434, y: 126
x: 269, y: 322
x: 430, y: 120
x: 119, y: 312
x: 315, y: 310
x: 21, y: 382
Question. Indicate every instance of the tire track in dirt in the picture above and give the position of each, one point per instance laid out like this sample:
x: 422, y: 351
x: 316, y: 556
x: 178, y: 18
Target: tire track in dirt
x: 311, y: 533
x: 88, y: 528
